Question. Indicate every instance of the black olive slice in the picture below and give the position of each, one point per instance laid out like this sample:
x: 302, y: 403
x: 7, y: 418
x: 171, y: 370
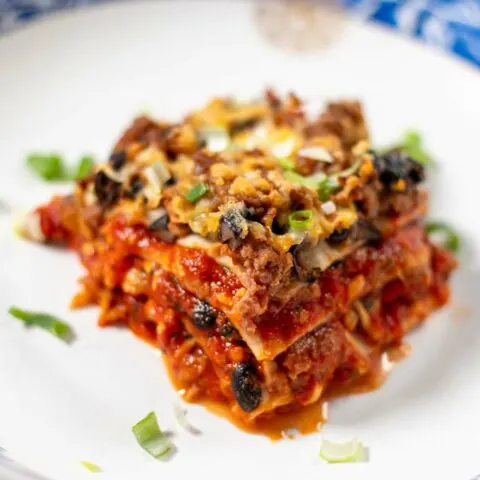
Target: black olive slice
x: 231, y: 226
x: 106, y: 189
x: 204, y: 315
x: 160, y: 227
x: 339, y: 236
x: 246, y: 387
x: 118, y: 159
x: 397, y: 165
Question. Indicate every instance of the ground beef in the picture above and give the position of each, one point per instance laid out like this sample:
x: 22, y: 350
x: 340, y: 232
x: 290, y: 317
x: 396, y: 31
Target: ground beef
x: 143, y: 130
x: 319, y: 352
x: 265, y: 265
x: 344, y: 120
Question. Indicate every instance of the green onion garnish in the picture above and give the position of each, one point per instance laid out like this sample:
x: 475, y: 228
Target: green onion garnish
x: 300, y: 220
x: 217, y: 139
x: 333, y: 452
x: 312, y: 181
x: 197, y: 192
x: 45, y: 321
x: 327, y: 187
x: 296, y: 178
x: 150, y: 437
x: 181, y: 416
x: 412, y: 145
x: 51, y: 167
x: 91, y: 467
x: 348, y: 171
x: 448, y: 237
x: 48, y: 166
x: 84, y: 167
x: 286, y: 163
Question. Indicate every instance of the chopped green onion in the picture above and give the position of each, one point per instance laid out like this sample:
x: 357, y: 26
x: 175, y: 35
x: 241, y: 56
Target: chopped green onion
x: 48, y: 166
x: 333, y: 452
x: 45, y: 321
x: 301, y: 220
x: 328, y: 186
x: 217, y: 139
x: 348, y: 171
x: 197, y: 192
x: 286, y: 163
x: 310, y: 182
x: 91, y: 467
x: 151, y: 438
x: 84, y: 167
x: 325, y: 185
x: 297, y: 178
x: 412, y: 145
x: 181, y: 416
x: 52, y: 167
x: 449, y: 238
x: 316, y: 152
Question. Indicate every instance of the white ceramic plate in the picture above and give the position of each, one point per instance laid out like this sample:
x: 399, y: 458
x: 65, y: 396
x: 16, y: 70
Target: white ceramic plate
x: 71, y: 83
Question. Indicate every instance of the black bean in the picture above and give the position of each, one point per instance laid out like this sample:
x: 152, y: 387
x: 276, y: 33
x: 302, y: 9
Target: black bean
x: 339, y: 236
x: 107, y: 190
x: 118, y: 159
x: 227, y: 330
x: 397, y: 165
x: 248, y: 392
x: 136, y: 185
x: 231, y: 226
x: 204, y: 315
x: 160, y: 228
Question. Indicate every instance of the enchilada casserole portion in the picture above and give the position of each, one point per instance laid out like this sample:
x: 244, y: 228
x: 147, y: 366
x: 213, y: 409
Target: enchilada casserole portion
x: 272, y: 256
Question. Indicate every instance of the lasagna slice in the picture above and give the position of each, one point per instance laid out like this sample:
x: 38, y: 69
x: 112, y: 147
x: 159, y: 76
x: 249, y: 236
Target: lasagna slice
x: 272, y: 257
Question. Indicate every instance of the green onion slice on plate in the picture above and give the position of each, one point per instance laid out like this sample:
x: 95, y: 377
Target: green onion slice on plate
x: 52, y: 167
x: 84, y: 167
x: 181, y: 416
x: 446, y: 234
x: 151, y: 438
x: 412, y: 144
x: 91, y: 467
x: 347, y: 452
x: 48, y: 166
x: 47, y: 322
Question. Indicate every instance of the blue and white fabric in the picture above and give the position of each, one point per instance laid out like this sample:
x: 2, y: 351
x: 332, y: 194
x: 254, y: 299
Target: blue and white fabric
x: 453, y: 25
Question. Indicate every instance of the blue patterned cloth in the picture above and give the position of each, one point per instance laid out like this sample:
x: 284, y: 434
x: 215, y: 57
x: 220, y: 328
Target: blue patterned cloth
x: 13, y: 12
x: 453, y: 25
